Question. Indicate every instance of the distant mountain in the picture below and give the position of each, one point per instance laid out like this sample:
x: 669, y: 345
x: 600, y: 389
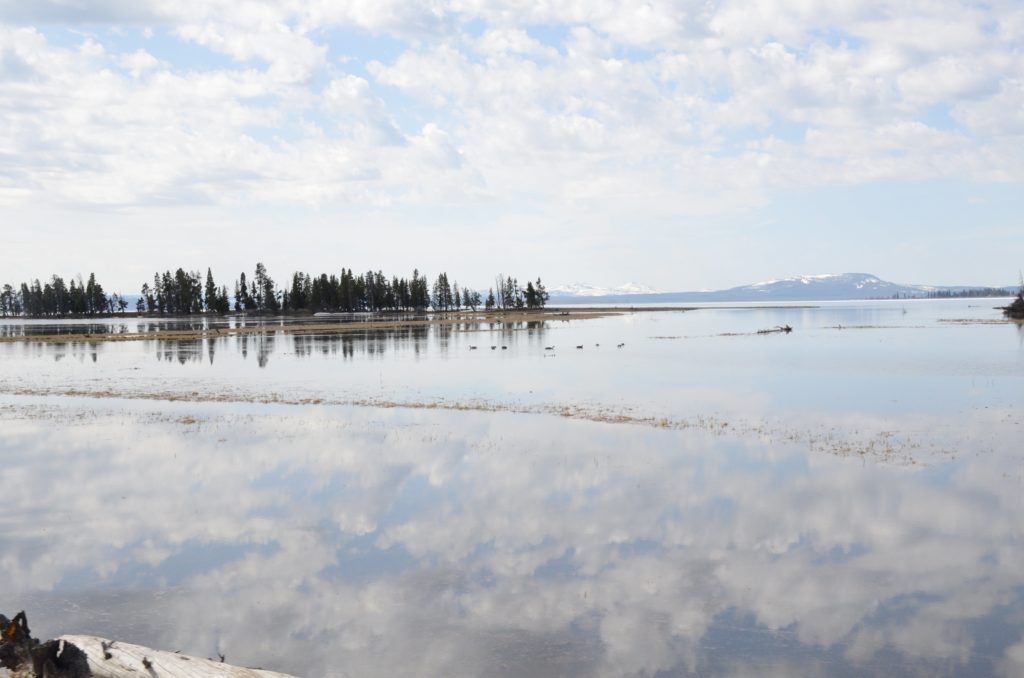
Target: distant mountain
x: 826, y: 287
x: 586, y: 290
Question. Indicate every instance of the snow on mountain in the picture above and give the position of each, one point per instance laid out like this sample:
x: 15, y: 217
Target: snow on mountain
x: 802, y: 279
x: 820, y: 287
x: 826, y: 286
x: 587, y: 290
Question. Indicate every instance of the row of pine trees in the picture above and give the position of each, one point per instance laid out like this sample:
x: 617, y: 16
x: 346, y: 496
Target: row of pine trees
x: 188, y: 292
x: 57, y: 298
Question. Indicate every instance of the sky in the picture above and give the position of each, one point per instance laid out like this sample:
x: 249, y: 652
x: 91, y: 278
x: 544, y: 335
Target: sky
x: 697, y: 144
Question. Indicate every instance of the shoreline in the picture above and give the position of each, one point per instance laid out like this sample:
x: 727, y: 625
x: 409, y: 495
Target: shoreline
x: 322, y: 325
x: 343, y: 323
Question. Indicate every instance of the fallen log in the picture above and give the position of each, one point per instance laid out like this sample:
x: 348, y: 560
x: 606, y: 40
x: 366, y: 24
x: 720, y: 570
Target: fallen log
x: 781, y: 328
x: 75, y: 656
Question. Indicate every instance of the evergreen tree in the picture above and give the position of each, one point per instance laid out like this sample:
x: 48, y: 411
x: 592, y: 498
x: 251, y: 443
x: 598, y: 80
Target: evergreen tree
x: 158, y: 295
x: 263, y: 290
x: 96, y: 300
x: 76, y: 298
x: 471, y: 298
x: 210, y: 296
x: 7, y: 301
x: 530, y: 295
x: 242, y: 302
x: 26, y: 298
x: 146, y: 301
x: 223, y: 302
x: 419, y: 293
x: 542, y: 294
x: 297, y: 299
x: 442, y: 296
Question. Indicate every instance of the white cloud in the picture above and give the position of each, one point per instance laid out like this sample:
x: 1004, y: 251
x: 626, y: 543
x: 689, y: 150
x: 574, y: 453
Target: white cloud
x: 667, y: 111
x: 951, y: 79
x: 292, y: 57
x: 525, y: 100
x: 412, y: 20
x: 350, y: 98
x: 139, y: 62
x: 74, y: 13
x: 512, y: 41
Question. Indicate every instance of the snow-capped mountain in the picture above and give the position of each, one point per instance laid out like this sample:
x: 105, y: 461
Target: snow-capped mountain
x: 588, y: 290
x: 859, y: 279
x: 828, y: 286
x: 821, y: 287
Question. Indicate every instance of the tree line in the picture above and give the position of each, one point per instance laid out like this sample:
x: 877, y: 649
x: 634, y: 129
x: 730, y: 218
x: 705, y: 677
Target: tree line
x: 57, y: 298
x: 970, y: 293
x: 182, y: 293
x: 188, y: 292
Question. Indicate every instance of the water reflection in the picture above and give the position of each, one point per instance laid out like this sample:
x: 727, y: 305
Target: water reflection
x: 80, y: 327
x: 264, y: 344
x: 10, y: 327
x: 381, y: 342
x: 180, y: 351
x: 337, y: 541
x: 261, y: 344
x: 79, y: 351
x: 376, y: 343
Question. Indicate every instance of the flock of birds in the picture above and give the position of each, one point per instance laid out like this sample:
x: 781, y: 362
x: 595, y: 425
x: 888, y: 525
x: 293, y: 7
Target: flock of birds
x: 546, y: 348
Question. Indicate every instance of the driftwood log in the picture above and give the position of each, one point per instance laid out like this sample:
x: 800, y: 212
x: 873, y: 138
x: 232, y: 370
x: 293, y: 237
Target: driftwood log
x: 786, y: 329
x: 91, y: 657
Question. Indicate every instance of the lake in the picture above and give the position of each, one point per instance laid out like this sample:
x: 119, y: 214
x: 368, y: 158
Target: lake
x: 680, y: 496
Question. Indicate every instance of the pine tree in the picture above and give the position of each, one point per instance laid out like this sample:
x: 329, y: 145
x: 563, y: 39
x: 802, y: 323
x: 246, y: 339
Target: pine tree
x: 242, y: 302
x: 210, y: 297
x: 542, y: 294
x: 531, y: 295
x: 223, y: 302
x: 7, y: 303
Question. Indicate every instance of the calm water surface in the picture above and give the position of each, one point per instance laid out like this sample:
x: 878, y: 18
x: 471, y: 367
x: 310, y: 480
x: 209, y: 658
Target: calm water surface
x: 843, y: 500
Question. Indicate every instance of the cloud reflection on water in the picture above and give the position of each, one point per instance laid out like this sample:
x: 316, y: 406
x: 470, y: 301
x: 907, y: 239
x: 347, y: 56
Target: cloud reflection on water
x: 331, y: 541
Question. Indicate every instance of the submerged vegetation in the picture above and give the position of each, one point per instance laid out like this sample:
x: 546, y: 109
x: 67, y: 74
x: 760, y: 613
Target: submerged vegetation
x: 187, y: 292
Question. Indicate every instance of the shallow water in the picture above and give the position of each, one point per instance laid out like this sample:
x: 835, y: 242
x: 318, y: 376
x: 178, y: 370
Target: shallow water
x: 829, y: 502
x: 888, y: 374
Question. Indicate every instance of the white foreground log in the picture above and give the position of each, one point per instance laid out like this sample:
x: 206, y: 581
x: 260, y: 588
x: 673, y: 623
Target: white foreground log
x: 109, y: 659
